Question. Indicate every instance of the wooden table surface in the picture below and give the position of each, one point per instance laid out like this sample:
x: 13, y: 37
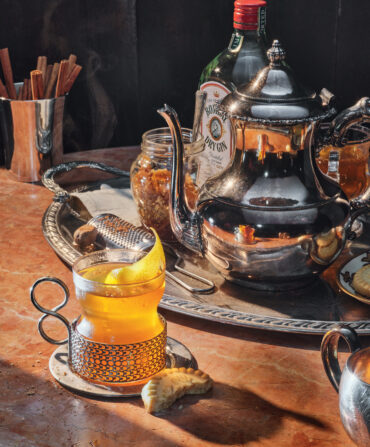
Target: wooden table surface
x: 270, y: 389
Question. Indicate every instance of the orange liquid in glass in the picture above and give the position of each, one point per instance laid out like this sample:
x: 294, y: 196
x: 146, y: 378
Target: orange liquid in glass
x: 126, y: 315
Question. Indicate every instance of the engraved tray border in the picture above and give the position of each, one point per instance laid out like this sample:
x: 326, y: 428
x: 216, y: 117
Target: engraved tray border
x: 69, y: 254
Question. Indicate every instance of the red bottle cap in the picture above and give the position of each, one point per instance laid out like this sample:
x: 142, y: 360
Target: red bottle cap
x: 246, y: 14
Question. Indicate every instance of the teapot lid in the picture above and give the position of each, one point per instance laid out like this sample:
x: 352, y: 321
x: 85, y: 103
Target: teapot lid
x: 275, y: 96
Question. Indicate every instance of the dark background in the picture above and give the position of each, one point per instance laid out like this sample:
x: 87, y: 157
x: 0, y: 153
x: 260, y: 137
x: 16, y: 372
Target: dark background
x: 138, y: 54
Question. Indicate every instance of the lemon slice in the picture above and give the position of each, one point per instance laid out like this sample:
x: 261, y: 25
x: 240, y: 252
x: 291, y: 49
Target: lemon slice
x: 143, y: 270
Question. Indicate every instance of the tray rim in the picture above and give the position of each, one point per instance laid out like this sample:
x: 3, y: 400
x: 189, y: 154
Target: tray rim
x: 69, y: 254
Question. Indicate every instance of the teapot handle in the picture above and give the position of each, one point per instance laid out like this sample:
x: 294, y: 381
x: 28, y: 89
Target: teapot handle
x: 329, y: 351
x: 347, y: 118
x: 53, y: 312
x: 336, y: 133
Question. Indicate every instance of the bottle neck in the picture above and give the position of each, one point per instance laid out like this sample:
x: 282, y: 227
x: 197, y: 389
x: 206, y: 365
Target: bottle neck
x: 247, y: 39
x: 250, y: 34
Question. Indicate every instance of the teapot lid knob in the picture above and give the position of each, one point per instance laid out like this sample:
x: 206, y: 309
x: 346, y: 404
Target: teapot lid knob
x: 276, y: 53
x: 276, y: 96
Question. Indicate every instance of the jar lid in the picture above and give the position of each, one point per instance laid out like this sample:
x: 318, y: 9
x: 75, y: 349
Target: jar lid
x: 276, y: 96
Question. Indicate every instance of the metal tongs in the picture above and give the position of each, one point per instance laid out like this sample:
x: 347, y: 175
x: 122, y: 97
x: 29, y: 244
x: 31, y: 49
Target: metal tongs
x: 118, y: 233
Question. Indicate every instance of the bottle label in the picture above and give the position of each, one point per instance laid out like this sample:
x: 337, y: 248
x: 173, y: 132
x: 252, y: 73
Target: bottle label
x: 261, y: 19
x: 236, y: 42
x: 216, y: 130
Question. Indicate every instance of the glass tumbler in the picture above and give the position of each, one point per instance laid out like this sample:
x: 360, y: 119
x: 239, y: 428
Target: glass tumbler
x: 119, y: 338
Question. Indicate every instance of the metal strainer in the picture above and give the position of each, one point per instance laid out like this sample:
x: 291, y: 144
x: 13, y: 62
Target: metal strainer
x: 118, y: 233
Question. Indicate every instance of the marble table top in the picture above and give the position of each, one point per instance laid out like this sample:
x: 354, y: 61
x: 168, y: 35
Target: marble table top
x: 270, y: 389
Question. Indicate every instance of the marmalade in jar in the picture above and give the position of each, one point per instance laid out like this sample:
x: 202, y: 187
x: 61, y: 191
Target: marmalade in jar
x: 151, y: 178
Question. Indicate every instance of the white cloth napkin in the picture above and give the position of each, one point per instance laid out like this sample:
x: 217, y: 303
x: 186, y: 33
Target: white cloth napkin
x: 118, y: 201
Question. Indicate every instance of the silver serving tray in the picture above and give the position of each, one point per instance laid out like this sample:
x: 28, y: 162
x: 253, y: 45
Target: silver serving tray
x: 310, y: 310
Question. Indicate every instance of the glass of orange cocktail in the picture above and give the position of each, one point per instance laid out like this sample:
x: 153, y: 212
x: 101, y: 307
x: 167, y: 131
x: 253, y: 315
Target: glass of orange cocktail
x: 119, y: 338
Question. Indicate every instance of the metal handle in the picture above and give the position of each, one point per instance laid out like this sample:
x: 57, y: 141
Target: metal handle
x: 362, y: 202
x: 357, y: 210
x: 61, y: 195
x: 44, y: 111
x: 53, y: 312
x: 186, y: 286
x: 210, y: 284
x: 329, y: 351
x: 359, y: 112
x: 335, y: 134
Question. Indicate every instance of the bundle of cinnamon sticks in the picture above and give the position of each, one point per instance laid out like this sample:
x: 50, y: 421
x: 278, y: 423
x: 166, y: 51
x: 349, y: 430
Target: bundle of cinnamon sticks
x: 47, y: 81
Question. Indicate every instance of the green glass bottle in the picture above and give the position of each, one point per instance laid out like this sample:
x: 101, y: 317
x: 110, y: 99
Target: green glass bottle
x: 236, y: 65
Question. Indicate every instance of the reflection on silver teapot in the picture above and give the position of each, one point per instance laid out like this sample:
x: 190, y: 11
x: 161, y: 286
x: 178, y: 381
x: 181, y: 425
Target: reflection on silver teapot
x: 353, y: 384
x: 271, y: 219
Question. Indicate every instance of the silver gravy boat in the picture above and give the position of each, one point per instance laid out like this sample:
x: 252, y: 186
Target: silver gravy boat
x: 271, y: 219
x: 352, y: 384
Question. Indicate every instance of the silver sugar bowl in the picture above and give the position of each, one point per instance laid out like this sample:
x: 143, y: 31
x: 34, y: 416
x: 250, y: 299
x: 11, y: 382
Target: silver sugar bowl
x: 352, y: 384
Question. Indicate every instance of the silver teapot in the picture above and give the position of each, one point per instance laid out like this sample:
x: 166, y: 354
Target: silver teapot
x: 271, y: 219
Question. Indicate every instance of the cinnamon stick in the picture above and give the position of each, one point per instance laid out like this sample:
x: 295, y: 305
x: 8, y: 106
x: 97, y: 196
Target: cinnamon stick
x: 72, y: 77
x: 29, y: 94
x: 24, y: 90
x: 71, y: 63
x: 49, y: 69
x: 38, y: 65
x: 8, y: 72
x: 29, y: 90
x: 63, y: 67
x: 42, y: 62
x: 52, y: 80
x: 20, y: 92
x: 37, y: 85
x: 3, y: 91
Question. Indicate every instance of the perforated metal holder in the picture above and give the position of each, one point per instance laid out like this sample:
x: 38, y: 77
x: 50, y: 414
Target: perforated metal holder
x: 116, y: 364
x: 177, y: 356
x: 109, y: 370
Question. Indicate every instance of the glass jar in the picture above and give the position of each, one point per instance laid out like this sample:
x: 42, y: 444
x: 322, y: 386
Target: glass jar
x: 151, y: 178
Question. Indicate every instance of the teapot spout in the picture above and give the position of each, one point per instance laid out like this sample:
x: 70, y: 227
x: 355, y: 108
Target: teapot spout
x: 185, y: 224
